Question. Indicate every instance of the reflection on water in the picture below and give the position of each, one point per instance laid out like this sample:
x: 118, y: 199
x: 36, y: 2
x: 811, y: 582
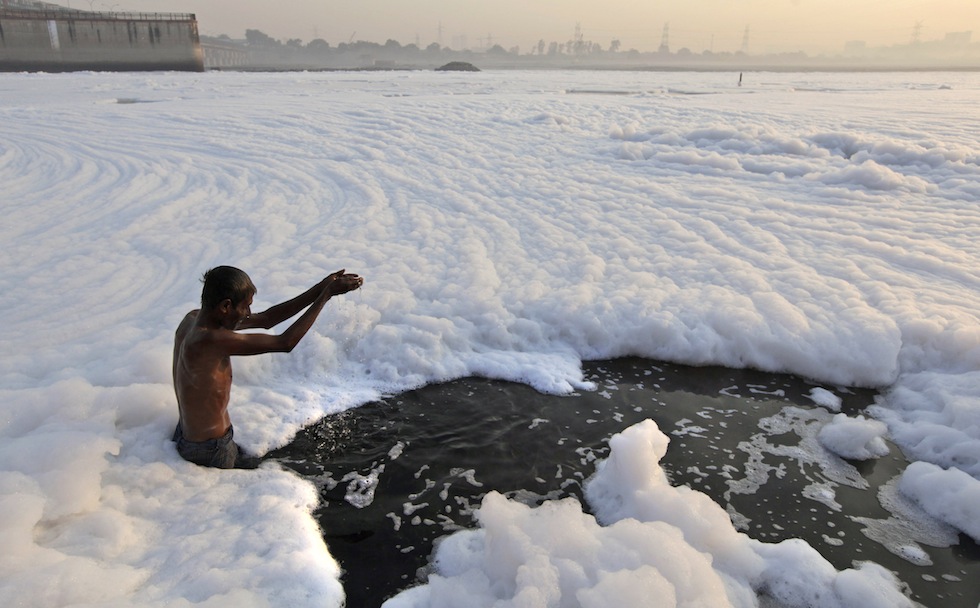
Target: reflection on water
x: 396, y: 475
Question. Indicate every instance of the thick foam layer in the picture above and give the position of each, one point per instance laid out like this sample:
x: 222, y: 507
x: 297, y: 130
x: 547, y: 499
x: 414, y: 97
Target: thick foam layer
x: 505, y: 228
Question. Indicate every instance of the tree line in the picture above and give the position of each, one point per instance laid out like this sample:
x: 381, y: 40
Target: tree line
x: 260, y: 40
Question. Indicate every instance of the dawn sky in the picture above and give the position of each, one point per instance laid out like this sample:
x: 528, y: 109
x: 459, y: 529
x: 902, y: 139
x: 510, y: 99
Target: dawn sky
x: 719, y: 25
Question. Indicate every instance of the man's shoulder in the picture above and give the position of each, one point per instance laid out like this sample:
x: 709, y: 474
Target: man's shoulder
x: 196, y: 341
x: 193, y: 331
x: 186, y: 323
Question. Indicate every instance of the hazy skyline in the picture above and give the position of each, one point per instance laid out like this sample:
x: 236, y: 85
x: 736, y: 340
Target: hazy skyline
x: 719, y: 25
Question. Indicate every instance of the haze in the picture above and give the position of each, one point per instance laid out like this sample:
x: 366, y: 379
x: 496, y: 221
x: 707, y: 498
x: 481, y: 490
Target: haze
x: 718, y: 25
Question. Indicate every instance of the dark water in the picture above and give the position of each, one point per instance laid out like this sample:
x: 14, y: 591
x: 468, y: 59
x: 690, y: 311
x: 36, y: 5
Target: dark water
x: 740, y: 436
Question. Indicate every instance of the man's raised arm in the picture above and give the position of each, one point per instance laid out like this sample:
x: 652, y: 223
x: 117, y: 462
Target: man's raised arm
x: 234, y: 343
x: 275, y: 315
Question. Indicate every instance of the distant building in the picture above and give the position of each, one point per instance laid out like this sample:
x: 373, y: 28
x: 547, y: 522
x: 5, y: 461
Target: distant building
x: 38, y: 36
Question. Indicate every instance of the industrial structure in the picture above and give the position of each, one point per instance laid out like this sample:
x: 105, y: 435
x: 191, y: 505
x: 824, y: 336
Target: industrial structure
x: 38, y: 36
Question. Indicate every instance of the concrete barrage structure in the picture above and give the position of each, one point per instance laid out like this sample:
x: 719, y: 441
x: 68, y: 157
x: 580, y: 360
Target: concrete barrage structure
x: 63, y: 40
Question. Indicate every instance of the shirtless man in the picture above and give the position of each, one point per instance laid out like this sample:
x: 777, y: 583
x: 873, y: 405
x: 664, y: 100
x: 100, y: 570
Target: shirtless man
x: 207, y: 338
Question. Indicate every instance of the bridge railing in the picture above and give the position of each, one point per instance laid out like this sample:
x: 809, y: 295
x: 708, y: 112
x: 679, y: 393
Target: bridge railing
x: 13, y: 13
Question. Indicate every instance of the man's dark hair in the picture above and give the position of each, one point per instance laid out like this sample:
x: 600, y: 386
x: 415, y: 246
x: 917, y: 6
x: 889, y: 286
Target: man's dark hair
x: 225, y: 282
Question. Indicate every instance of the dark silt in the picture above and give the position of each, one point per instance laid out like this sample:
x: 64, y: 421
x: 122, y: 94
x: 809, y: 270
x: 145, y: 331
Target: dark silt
x: 398, y: 474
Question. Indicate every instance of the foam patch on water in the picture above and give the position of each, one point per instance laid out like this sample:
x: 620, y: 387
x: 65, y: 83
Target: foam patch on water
x: 907, y: 527
x: 950, y: 495
x: 647, y: 537
x: 804, y: 452
x: 855, y: 438
x: 935, y: 417
x: 825, y: 398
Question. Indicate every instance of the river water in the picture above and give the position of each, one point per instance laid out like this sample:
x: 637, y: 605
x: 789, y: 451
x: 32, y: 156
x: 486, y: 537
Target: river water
x: 398, y: 474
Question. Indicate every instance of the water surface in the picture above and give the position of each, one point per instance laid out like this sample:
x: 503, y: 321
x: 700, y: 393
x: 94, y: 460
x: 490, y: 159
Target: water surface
x: 398, y: 474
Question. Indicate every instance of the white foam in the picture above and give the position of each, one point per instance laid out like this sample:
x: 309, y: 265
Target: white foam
x: 935, y: 417
x: 907, y: 526
x: 505, y: 229
x: 947, y: 494
x: 825, y: 398
x: 856, y: 438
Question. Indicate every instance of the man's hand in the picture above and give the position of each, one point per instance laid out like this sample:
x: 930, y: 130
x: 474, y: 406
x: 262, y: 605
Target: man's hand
x: 331, y: 285
x: 340, y: 282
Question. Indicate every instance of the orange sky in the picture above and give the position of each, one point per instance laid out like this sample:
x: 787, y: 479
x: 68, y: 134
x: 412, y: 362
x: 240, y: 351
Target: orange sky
x: 774, y: 25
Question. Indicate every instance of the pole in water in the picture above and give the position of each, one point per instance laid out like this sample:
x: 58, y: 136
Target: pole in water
x: 739, y: 79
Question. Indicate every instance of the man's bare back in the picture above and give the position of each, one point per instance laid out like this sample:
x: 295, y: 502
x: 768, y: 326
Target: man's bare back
x: 207, y: 338
x: 202, y: 381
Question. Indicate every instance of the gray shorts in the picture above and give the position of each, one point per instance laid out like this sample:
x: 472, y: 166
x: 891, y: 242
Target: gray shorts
x: 221, y: 453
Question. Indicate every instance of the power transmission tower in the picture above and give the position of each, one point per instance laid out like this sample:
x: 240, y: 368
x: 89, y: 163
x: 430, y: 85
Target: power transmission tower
x: 745, y: 40
x: 665, y: 40
x: 916, y: 32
